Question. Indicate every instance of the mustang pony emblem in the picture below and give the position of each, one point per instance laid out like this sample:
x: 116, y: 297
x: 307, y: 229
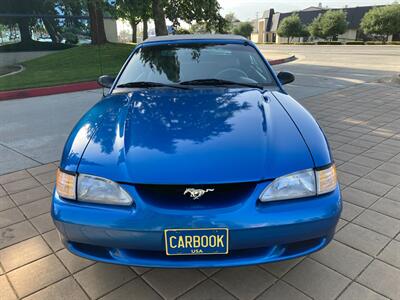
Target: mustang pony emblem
x: 197, y: 193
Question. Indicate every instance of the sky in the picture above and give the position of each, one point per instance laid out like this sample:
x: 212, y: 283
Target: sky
x: 247, y: 9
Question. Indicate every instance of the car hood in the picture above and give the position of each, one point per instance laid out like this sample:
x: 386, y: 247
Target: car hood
x: 198, y: 136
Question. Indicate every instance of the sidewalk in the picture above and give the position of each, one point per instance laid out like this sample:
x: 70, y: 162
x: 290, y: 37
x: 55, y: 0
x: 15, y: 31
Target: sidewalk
x: 33, y: 131
x: 362, y: 123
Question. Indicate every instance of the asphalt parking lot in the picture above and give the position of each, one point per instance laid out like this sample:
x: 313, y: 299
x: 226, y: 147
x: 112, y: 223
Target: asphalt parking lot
x: 361, y: 118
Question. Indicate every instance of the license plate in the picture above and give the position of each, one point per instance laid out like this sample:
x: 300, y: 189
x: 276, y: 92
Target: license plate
x: 196, y: 241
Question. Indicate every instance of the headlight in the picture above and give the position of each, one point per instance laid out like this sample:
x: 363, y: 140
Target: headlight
x: 90, y: 188
x: 301, y: 184
x: 100, y: 190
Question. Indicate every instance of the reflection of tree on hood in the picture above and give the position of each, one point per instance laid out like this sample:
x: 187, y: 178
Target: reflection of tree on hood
x: 106, y: 115
x: 157, y: 121
x: 165, y: 59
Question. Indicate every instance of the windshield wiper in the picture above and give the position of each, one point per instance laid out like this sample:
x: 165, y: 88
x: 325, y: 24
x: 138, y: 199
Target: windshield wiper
x: 146, y: 84
x: 213, y: 81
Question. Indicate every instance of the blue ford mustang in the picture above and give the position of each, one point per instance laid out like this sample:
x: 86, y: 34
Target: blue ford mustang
x: 197, y: 157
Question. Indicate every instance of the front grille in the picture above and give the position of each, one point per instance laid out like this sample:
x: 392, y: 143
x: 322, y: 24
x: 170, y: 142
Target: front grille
x: 172, y: 196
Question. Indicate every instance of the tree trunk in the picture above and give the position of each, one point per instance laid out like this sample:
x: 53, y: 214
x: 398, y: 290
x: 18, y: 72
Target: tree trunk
x: 52, y: 30
x: 159, y: 18
x: 97, y: 31
x: 134, y: 31
x: 24, y: 31
x: 145, y: 30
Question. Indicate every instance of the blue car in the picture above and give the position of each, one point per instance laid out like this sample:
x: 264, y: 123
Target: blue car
x: 196, y: 157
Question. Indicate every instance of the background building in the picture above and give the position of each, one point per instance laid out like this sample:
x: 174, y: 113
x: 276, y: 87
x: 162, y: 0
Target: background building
x: 267, y: 25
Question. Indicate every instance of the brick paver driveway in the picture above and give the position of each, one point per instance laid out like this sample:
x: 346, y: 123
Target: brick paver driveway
x: 363, y: 262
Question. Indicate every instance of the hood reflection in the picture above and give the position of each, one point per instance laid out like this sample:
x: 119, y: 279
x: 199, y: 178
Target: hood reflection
x: 159, y: 121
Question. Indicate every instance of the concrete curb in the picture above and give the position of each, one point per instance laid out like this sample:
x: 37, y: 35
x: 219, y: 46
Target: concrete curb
x: 282, y: 60
x: 50, y: 90
x: 21, y: 68
x: 82, y: 86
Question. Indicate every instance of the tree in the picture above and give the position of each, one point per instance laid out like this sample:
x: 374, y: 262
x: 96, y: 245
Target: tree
x: 25, y: 23
x: 315, y: 28
x: 134, y: 11
x: 159, y: 17
x: 181, y: 30
x: 292, y: 27
x: 230, y: 22
x: 97, y: 31
x: 128, y: 10
x: 198, y: 27
x: 244, y: 29
x: 382, y: 21
x: 145, y: 29
x: 3, y: 29
x: 52, y: 25
x: 200, y: 11
x: 146, y: 15
x: 73, y: 26
x: 329, y: 25
x: 333, y: 23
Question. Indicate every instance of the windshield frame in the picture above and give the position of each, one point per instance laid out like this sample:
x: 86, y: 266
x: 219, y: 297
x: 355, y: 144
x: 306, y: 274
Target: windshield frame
x: 245, y: 43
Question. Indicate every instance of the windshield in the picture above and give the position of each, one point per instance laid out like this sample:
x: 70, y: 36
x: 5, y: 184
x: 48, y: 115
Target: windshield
x: 174, y: 64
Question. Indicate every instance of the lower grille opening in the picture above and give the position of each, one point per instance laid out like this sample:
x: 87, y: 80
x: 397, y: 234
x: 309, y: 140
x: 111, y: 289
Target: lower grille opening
x: 178, y: 196
x: 146, y: 257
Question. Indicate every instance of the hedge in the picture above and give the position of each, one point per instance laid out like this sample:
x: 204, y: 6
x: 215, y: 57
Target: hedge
x: 34, y: 46
x: 329, y: 43
x: 355, y: 43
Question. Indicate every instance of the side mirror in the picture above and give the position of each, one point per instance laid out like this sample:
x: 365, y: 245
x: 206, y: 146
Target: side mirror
x: 106, y: 81
x: 285, y: 77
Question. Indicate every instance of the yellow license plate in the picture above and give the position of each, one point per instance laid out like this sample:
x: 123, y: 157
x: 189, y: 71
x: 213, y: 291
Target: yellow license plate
x: 196, y: 241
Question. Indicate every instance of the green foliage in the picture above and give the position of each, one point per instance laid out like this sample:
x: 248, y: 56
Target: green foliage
x: 201, y: 11
x: 42, y: 25
x: 230, y: 21
x: 355, y: 43
x: 329, y: 25
x: 374, y: 42
x: 292, y: 27
x: 34, y: 46
x: 315, y: 28
x: 266, y: 43
x: 244, y: 29
x: 26, y: 7
x: 71, y: 38
x: 181, y: 30
x: 333, y: 23
x: 198, y: 27
x: 329, y: 43
x: 133, y: 10
x: 303, y: 43
x: 18, y: 7
x: 382, y: 21
x: 3, y: 29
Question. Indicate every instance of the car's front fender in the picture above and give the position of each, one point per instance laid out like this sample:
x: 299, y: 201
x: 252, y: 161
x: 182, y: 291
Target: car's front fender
x: 309, y: 129
x: 84, y: 130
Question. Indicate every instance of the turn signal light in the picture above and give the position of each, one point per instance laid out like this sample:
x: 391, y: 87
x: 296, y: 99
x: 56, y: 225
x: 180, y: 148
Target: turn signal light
x: 65, y: 185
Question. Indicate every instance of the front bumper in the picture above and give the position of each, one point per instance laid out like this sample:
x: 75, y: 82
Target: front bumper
x: 258, y: 233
